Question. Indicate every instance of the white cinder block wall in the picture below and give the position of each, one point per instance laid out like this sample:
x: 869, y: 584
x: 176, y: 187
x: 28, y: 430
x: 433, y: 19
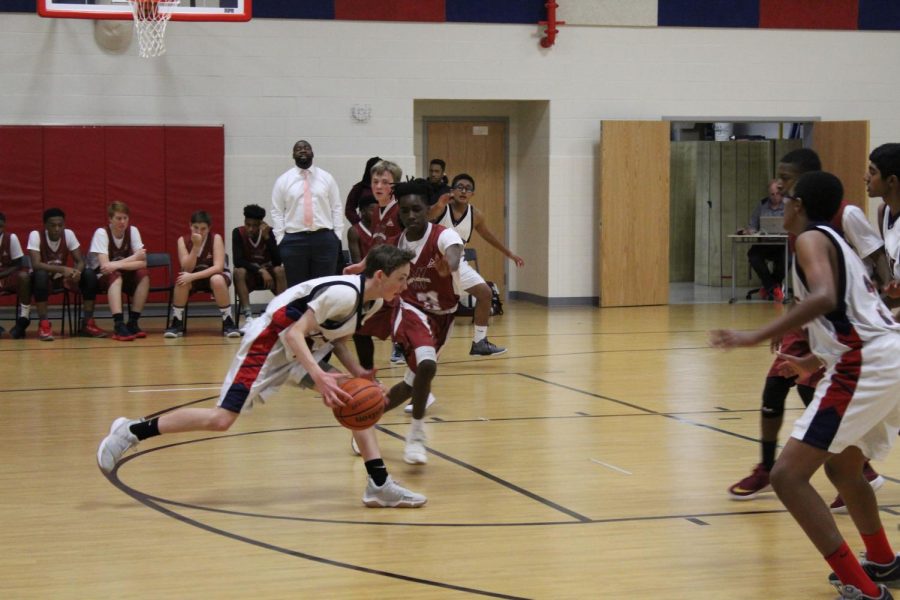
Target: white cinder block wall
x: 271, y: 82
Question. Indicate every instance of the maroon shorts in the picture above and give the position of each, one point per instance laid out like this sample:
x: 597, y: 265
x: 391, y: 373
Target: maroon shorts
x: 130, y: 280
x: 202, y: 285
x: 255, y: 281
x: 794, y: 343
x: 380, y: 324
x: 414, y: 328
x: 10, y: 283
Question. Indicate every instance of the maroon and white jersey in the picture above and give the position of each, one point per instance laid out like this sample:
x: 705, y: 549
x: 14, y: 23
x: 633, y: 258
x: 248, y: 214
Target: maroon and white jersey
x: 386, y: 227
x: 10, y: 249
x: 205, y: 257
x: 53, y: 253
x: 426, y: 288
x: 105, y: 242
x: 367, y: 240
x: 860, y: 315
x: 255, y: 251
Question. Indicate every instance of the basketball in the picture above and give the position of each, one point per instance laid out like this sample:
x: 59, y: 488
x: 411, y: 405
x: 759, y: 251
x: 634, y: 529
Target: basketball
x: 364, y: 408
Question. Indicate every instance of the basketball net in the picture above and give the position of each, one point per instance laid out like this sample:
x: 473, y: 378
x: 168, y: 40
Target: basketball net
x: 150, y: 19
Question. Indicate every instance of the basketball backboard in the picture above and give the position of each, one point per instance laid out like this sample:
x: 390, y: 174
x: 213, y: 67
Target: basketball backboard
x: 187, y: 10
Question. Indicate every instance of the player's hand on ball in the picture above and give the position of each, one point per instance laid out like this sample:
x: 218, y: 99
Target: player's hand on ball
x: 329, y: 385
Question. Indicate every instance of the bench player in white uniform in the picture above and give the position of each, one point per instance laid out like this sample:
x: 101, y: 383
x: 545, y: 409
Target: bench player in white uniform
x: 455, y: 212
x: 299, y: 327
x: 855, y: 413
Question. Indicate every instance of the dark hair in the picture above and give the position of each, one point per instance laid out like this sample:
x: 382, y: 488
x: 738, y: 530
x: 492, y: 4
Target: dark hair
x: 367, y: 175
x: 386, y: 258
x: 53, y: 212
x: 365, y: 202
x: 253, y: 211
x: 201, y: 216
x: 821, y: 194
x: 414, y: 187
x: 804, y: 159
x: 887, y: 158
x: 465, y: 176
x: 437, y: 161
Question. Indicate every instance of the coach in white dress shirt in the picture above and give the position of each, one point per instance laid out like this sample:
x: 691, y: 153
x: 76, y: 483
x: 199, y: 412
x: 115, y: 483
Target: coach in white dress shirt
x: 307, y: 218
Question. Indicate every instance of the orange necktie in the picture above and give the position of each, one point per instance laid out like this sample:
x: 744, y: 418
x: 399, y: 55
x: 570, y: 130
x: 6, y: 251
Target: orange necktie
x: 307, y: 202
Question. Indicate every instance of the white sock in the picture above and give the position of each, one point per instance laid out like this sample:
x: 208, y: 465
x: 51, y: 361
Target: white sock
x: 178, y: 313
x: 25, y: 311
x: 480, y: 333
x: 248, y: 312
x: 417, y: 425
x: 226, y: 311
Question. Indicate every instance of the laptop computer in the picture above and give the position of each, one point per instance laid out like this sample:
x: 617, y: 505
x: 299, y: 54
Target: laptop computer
x: 772, y: 225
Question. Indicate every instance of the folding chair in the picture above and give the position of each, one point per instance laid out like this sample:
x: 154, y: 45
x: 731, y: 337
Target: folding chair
x: 160, y: 260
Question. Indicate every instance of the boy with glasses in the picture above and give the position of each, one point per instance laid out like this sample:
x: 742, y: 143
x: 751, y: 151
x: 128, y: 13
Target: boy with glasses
x: 455, y: 212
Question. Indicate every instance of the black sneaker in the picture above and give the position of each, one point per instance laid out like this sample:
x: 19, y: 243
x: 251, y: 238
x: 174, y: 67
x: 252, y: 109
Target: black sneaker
x: 175, y: 330
x: 850, y: 592
x: 2, y: 331
x: 229, y: 329
x: 887, y: 574
x: 485, y: 348
x: 121, y: 333
x: 18, y: 330
x: 135, y: 330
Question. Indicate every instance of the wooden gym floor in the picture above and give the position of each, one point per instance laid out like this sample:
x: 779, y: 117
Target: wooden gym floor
x: 590, y: 461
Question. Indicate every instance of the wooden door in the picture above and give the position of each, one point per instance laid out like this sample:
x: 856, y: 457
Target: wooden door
x: 478, y: 148
x: 843, y: 147
x: 634, y: 213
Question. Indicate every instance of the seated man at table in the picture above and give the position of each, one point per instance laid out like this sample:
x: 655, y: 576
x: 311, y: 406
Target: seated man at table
x: 759, y: 255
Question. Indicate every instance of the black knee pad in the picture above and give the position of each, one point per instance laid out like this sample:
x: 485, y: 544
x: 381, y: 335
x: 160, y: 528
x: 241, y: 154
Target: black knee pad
x: 774, y: 394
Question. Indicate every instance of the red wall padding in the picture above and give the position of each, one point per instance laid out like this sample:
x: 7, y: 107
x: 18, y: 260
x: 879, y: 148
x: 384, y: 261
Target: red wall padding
x: 808, y: 14
x: 162, y: 173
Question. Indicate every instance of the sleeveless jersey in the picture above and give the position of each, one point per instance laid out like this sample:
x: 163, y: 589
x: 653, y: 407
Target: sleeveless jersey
x: 60, y: 256
x: 386, y: 226
x: 860, y: 314
x: 890, y: 231
x: 5, y: 251
x: 118, y: 253
x: 289, y: 306
x: 464, y: 226
x: 426, y: 288
x: 366, y: 239
x: 255, y: 252
x: 205, y: 256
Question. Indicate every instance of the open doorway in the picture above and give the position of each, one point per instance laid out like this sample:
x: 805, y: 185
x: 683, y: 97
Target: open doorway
x: 720, y: 171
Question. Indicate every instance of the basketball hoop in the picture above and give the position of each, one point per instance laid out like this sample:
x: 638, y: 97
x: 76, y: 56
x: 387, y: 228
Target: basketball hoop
x: 150, y: 19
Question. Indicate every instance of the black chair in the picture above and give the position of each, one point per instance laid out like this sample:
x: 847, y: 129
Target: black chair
x: 160, y: 260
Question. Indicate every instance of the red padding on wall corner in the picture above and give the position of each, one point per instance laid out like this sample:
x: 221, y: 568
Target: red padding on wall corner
x: 74, y: 178
x: 21, y: 179
x: 809, y: 14
x: 192, y: 184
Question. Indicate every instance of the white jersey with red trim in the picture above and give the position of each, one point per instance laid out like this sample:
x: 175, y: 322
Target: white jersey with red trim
x: 860, y: 314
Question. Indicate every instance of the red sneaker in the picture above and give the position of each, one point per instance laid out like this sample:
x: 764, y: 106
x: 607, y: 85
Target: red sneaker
x: 764, y: 294
x: 89, y: 329
x: 751, y: 486
x: 121, y: 333
x: 45, y: 332
x: 874, y: 479
x: 777, y: 295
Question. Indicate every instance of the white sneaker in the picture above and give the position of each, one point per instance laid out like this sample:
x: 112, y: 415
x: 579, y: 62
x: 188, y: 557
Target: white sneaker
x: 414, y: 453
x: 428, y: 403
x: 391, y: 495
x: 354, y: 447
x: 248, y: 321
x: 114, y: 445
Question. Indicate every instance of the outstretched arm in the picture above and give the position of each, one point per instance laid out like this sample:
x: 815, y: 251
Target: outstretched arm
x: 483, y: 230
